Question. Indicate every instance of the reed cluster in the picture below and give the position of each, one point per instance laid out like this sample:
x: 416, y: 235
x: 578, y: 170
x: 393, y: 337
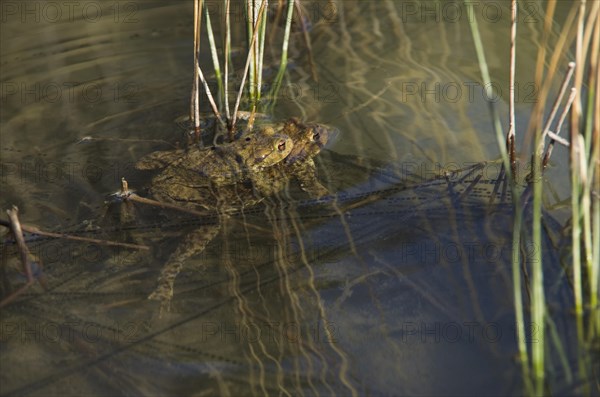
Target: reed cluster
x: 581, y: 32
x: 251, y: 84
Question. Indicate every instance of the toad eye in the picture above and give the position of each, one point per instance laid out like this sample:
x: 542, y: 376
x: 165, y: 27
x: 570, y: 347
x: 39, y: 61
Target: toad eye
x: 281, y: 146
x: 248, y: 139
x: 316, y: 136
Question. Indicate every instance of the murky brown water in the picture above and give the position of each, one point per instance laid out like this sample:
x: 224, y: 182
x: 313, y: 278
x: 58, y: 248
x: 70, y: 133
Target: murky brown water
x: 405, y: 292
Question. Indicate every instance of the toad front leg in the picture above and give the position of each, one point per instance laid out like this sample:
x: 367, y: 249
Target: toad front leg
x: 193, y: 243
x: 306, y: 173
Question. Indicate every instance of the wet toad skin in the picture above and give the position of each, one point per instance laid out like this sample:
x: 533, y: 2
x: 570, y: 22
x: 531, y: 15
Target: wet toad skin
x: 224, y: 164
x: 255, y: 168
x: 299, y: 165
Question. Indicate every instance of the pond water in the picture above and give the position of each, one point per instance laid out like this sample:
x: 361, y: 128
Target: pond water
x: 401, y: 284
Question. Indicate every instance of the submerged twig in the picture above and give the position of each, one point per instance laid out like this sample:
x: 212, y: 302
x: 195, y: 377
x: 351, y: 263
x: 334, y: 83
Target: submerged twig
x: 35, y: 230
x: 135, y: 198
x: 15, y: 227
x: 142, y: 200
x: 89, y: 138
x: 17, y: 231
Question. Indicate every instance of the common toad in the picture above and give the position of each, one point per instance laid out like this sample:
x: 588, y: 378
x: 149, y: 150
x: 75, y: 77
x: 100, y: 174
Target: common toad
x: 258, y: 165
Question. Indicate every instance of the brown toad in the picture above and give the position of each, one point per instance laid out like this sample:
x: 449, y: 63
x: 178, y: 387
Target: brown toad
x: 190, y: 180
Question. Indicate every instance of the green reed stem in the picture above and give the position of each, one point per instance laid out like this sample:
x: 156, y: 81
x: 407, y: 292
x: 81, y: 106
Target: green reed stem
x: 213, y: 53
x: 485, y: 76
x: 592, y: 217
x: 538, y: 301
x: 594, y: 177
x: 517, y: 223
x: 255, y: 21
x: 512, y: 124
x: 586, y: 205
x: 595, y: 273
x: 585, y: 193
x: 261, y: 52
x: 249, y: 34
x: 518, y: 296
x: 284, y: 54
x: 576, y: 232
x: 227, y: 56
x: 554, y: 336
x: 576, y: 152
x: 245, y: 73
x: 591, y: 184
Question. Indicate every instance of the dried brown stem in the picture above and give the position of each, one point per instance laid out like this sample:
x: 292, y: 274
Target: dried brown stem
x: 211, y: 100
x: 554, y: 136
x: 124, y: 186
x: 557, y: 102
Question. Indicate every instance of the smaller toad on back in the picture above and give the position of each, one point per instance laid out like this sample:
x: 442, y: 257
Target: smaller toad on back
x: 308, y: 140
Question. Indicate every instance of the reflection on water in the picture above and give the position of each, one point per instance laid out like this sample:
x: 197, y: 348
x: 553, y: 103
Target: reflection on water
x: 400, y: 284
x: 376, y: 291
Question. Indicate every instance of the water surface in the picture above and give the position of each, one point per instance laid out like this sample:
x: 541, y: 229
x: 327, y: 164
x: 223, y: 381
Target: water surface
x: 399, y: 285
